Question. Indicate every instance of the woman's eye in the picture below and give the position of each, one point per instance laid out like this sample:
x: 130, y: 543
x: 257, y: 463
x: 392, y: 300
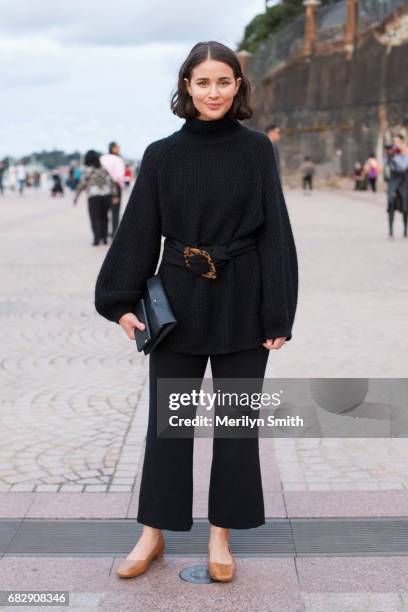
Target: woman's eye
x: 203, y: 84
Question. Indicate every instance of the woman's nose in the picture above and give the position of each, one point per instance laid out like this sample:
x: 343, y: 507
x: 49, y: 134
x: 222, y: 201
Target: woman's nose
x: 213, y: 91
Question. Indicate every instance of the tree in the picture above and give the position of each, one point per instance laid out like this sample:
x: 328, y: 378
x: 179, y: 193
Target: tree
x: 272, y: 20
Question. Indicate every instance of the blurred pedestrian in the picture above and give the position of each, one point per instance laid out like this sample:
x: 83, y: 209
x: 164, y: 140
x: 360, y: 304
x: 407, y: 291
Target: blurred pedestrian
x: 56, y: 187
x: 372, y: 170
x: 397, y: 178
x: 273, y: 132
x: 2, y: 169
x: 71, y: 183
x: 137, y: 168
x: 307, y: 169
x: 100, y: 189
x: 128, y: 176
x: 114, y: 164
x: 77, y: 174
x: 36, y: 179
x: 12, y: 177
x: 359, y: 177
x: 21, y: 177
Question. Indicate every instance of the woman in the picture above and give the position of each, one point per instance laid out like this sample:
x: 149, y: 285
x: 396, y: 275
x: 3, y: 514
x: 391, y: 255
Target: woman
x: 397, y: 184
x: 359, y: 177
x: 100, y: 190
x: 114, y: 164
x: 307, y: 169
x: 372, y: 170
x: 56, y: 188
x: 211, y: 184
x: 2, y: 169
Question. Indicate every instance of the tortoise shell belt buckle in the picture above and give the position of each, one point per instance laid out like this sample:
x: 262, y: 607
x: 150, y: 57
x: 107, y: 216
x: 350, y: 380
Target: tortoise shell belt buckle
x: 193, y: 251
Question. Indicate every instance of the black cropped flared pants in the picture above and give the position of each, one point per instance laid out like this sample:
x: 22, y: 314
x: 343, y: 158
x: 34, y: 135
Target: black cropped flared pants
x: 235, y: 497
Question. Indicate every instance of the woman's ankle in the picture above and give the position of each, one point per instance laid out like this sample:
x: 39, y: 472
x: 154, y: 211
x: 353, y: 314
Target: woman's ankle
x: 219, y: 532
x: 151, y: 532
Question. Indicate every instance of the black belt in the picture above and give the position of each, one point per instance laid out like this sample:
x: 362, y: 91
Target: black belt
x: 205, y: 260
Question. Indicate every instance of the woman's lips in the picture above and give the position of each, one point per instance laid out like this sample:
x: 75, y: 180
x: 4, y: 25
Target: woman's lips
x: 213, y: 105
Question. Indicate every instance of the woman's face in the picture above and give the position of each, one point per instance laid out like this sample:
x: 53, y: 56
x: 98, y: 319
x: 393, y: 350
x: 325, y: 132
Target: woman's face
x: 212, y: 87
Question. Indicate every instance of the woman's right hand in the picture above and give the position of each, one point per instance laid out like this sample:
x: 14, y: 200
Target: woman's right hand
x: 129, y: 322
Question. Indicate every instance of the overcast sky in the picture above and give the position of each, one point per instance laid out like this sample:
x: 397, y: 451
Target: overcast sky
x: 75, y: 74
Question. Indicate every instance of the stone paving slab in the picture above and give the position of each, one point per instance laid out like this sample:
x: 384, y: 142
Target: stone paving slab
x: 354, y: 602
x: 346, y: 504
x: 50, y: 573
x: 15, y: 504
x: 352, y: 574
x: 72, y: 505
x: 309, y: 585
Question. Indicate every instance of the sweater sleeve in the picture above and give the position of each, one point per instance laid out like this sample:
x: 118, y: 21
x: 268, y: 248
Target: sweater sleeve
x: 134, y: 252
x: 277, y: 253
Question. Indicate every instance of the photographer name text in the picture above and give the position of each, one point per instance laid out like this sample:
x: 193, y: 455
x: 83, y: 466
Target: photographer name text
x: 242, y: 421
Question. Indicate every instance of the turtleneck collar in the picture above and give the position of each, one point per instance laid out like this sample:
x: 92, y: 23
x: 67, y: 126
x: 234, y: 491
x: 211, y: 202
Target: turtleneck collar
x: 212, y: 127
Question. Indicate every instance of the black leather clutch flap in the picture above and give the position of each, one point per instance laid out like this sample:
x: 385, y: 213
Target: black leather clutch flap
x: 155, y: 307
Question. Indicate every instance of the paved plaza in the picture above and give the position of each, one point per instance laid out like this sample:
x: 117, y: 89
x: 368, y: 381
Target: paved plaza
x: 70, y: 380
x: 74, y: 405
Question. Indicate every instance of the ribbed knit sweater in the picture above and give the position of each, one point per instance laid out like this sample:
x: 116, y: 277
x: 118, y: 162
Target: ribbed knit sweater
x: 208, y: 183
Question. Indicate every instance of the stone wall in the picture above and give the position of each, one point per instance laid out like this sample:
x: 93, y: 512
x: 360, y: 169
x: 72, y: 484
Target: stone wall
x: 336, y: 108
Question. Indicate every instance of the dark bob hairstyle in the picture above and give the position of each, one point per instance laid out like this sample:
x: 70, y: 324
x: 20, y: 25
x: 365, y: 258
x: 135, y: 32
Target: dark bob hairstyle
x: 92, y: 159
x: 181, y: 102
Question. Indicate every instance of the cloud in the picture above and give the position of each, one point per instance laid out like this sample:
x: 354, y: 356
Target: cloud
x: 127, y: 22
x: 76, y: 75
x: 87, y: 96
x: 34, y: 61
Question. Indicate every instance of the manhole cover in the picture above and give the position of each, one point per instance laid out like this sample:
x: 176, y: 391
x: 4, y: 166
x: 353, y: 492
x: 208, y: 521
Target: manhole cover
x: 197, y: 574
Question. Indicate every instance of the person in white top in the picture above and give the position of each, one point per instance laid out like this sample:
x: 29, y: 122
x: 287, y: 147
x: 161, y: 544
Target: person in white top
x: 21, y: 176
x: 115, y: 166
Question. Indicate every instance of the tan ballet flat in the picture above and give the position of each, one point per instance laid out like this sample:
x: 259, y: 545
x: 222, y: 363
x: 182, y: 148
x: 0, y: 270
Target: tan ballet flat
x: 130, y: 568
x: 222, y: 572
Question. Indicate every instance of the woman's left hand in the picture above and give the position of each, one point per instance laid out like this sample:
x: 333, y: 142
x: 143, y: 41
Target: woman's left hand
x: 276, y: 343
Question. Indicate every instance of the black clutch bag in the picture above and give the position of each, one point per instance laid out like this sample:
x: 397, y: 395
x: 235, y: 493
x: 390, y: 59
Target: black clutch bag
x: 155, y: 311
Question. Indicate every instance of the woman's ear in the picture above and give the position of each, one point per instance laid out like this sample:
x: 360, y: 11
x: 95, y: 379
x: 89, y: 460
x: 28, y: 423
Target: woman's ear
x: 238, y: 84
x: 187, y: 84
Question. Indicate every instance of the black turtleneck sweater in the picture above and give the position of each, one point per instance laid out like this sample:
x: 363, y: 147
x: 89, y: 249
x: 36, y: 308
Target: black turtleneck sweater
x: 208, y: 183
